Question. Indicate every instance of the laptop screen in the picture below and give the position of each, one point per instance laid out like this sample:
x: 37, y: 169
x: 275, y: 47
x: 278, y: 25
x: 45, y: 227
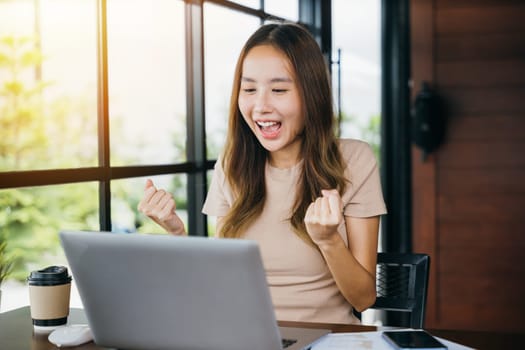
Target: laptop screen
x: 158, y: 291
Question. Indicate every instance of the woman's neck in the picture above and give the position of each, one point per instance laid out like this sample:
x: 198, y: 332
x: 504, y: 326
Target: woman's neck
x: 286, y: 158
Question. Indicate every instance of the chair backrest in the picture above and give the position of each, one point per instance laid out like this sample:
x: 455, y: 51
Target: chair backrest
x: 402, y: 282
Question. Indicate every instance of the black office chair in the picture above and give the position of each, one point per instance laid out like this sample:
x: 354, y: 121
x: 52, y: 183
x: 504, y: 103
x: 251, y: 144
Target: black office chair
x: 402, y: 283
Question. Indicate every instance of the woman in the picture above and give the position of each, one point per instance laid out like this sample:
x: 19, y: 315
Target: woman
x: 312, y: 202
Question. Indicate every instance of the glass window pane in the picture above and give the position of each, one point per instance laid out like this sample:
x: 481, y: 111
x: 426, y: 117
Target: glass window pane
x: 147, y: 82
x: 222, y: 44
x: 357, y: 32
x: 48, y: 96
x: 30, y: 219
x: 288, y: 9
x: 127, y: 193
x: 212, y: 220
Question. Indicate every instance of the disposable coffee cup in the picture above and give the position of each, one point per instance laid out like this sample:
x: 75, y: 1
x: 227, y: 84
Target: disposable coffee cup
x: 49, y: 292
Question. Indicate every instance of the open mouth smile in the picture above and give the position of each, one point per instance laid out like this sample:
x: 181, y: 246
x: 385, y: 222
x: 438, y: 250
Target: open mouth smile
x: 269, y: 129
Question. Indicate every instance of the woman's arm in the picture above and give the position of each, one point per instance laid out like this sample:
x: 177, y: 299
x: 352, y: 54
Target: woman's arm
x: 353, y: 267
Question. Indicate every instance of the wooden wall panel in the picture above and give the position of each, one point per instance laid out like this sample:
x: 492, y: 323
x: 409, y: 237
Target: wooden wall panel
x: 473, y: 47
x: 486, y: 182
x: 480, y: 155
x: 498, y: 18
x: 476, y: 3
x: 493, y: 101
x: 494, y: 208
x: 481, y: 73
x: 480, y: 234
x: 475, y: 183
x: 487, y: 299
x: 503, y: 127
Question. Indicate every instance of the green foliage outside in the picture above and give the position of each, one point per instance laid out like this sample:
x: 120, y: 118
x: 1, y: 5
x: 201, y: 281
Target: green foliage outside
x: 369, y: 132
x: 372, y: 134
x: 6, y: 263
x: 34, y: 129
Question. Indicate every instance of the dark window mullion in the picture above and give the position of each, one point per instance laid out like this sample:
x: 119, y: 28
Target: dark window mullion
x: 246, y: 9
x: 103, y: 118
x: 317, y: 16
x: 396, y: 163
x: 196, y: 140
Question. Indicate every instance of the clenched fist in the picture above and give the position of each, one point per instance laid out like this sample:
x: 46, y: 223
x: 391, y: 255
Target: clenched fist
x: 324, y: 216
x: 159, y: 205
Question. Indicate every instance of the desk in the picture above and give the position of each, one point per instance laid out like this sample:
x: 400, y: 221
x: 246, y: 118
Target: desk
x: 473, y: 339
x: 16, y: 333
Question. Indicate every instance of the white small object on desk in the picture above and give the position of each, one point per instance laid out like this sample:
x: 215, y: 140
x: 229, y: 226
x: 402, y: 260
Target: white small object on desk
x: 71, y: 335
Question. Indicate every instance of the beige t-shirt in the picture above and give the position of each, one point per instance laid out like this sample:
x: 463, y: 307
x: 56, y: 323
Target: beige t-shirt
x: 301, y: 285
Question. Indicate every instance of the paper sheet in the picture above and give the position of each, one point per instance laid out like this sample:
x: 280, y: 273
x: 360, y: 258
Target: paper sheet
x: 366, y: 341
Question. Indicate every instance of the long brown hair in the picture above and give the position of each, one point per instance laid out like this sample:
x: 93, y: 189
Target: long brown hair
x: 244, y: 158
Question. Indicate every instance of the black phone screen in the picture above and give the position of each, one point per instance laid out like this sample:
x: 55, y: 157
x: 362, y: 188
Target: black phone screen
x: 412, y: 340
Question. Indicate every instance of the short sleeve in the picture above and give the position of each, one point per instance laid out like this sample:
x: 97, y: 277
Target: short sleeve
x: 363, y: 196
x: 219, y: 198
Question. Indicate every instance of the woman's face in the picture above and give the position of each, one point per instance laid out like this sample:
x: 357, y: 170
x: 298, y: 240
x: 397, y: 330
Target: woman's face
x: 270, y: 103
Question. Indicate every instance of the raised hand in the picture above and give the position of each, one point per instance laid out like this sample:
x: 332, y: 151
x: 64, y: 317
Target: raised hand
x: 159, y: 205
x: 324, y: 216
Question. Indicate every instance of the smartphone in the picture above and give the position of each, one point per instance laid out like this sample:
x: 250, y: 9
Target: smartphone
x: 414, y: 339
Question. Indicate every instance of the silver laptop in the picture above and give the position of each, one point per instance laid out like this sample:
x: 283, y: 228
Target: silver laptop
x: 144, y: 291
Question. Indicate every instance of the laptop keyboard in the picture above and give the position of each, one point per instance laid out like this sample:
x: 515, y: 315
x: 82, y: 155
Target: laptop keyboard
x: 287, y: 342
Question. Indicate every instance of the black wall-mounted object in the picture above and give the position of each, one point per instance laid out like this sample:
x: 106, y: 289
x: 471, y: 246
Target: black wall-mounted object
x: 428, y: 121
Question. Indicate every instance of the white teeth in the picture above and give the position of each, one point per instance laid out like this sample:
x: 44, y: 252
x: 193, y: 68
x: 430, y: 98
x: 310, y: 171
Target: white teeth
x: 266, y: 124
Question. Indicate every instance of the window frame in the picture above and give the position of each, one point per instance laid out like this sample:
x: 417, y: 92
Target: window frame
x: 315, y: 14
